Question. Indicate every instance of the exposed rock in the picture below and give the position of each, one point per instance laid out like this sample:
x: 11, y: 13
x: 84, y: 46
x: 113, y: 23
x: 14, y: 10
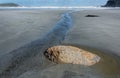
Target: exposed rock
x: 70, y: 54
x: 91, y: 16
x: 113, y: 3
x: 9, y: 5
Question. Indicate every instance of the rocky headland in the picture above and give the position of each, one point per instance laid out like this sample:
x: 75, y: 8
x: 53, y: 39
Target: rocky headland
x: 8, y: 5
x: 112, y: 3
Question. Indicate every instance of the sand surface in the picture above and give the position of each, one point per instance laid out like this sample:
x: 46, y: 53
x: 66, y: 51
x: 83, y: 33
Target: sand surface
x: 19, y: 27
x: 101, y: 32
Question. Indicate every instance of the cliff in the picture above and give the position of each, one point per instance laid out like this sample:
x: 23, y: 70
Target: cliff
x: 112, y: 3
x: 9, y: 5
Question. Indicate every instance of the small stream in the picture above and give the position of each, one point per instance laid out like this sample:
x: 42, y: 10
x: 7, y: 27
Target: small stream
x: 12, y: 61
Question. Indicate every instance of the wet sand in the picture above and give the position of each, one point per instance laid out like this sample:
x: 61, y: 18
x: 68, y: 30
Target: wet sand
x: 100, y: 34
x: 19, y: 27
x: 96, y: 34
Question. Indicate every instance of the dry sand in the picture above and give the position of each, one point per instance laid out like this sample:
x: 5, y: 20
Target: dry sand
x: 18, y: 27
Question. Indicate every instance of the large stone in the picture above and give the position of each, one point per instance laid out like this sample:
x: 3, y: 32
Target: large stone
x: 70, y: 54
x: 91, y: 16
x: 113, y: 3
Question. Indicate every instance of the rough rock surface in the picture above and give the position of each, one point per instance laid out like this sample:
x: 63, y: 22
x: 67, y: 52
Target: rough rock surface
x: 70, y: 54
x: 91, y: 16
x: 113, y: 3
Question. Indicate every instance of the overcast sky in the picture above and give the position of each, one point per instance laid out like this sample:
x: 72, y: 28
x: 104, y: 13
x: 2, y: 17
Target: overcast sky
x: 56, y: 2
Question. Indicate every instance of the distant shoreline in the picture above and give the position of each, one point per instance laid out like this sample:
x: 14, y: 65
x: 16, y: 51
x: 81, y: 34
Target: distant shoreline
x: 58, y: 8
x: 9, y: 5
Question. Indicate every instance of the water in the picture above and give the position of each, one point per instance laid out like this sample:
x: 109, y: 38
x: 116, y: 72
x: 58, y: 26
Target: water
x: 53, y: 8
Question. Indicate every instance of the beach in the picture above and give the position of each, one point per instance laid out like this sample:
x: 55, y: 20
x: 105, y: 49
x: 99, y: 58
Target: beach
x: 19, y: 27
x: 41, y: 29
x: 101, y: 31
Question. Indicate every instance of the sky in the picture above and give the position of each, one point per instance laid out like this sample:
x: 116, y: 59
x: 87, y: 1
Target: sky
x: 56, y: 2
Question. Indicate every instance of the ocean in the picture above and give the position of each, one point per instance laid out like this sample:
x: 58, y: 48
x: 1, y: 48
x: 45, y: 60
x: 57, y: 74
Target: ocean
x: 56, y: 7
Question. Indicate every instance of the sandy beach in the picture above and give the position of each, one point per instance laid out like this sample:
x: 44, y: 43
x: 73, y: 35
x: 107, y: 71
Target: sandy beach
x: 98, y: 32
x: 99, y: 35
x: 19, y: 27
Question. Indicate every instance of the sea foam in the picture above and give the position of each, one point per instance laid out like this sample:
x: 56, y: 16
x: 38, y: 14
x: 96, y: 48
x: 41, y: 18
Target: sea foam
x: 55, y: 7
